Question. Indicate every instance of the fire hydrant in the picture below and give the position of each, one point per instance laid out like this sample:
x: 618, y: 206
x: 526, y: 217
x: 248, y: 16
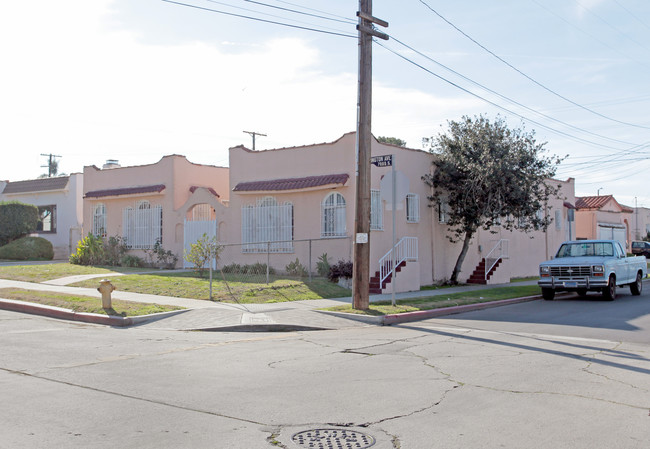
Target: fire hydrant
x: 106, y: 288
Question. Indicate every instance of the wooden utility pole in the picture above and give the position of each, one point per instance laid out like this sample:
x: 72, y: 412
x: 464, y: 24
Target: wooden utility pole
x: 52, y: 165
x: 253, y: 134
x: 361, y: 264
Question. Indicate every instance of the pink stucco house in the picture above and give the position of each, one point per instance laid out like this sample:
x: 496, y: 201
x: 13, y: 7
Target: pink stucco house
x: 291, y: 195
x: 172, y: 201
x: 602, y: 217
x: 297, y: 204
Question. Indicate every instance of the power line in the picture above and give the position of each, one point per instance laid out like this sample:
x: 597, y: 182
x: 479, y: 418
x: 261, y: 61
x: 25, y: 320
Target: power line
x: 348, y: 21
x: 611, y: 26
x: 527, y: 76
x: 570, y: 136
x: 257, y: 19
x: 353, y: 21
x: 264, y: 13
x: 604, y: 44
x: 507, y: 98
x: 635, y: 16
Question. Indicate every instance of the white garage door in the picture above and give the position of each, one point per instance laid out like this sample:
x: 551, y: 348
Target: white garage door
x: 612, y: 232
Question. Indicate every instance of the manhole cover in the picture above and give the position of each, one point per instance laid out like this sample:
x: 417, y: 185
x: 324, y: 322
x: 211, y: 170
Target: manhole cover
x: 333, y: 439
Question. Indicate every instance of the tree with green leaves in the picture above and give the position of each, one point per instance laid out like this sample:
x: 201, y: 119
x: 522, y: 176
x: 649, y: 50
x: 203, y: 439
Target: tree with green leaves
x: 486, y: 175
x: 202, y: 252
x: 392, y: 141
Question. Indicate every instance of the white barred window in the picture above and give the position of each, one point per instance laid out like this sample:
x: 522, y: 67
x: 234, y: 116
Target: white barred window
x: 202, y: 212
x: 99, y: 220
x: 142, y: 225
x: 412, y: 208
x: 267, y: 226
x: 333, y: 216
x: 376, y: 213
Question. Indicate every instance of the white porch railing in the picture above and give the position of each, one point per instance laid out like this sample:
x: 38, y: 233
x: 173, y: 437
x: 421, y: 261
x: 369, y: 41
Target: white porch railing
x: 405, y: 249
x: 500, y: 251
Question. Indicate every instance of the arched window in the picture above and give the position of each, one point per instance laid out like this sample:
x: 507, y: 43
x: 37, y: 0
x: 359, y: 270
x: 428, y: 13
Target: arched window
x: 201, y: 212
x: 99, y: 220
x: 333, y: 215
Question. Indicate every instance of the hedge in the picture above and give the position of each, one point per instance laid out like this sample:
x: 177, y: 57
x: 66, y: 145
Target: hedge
x: 16, y: 219
x: 28, y: 248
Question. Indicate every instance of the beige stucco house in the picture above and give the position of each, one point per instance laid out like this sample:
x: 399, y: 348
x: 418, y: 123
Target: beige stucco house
x: 640, y: 223
x: 152, y: 203
x: 59, y: 202
x: 602, y: 217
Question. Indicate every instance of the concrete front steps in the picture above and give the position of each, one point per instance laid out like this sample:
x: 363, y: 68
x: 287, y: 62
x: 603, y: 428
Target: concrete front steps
x: 375, y: 287
x: 478, y: 276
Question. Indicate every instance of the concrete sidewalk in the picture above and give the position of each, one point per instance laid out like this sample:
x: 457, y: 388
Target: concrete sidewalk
x: 203, y: 314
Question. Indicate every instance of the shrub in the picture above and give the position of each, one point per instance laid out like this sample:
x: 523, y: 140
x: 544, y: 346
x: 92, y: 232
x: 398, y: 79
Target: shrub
x: 203, y: 252
x: 341, y: 269
x: 256, y: 268
x: 295, y: 268
x: 114, y: 251
x: 16, y: 220
x: 28, y: 248
x: 90, y: 251
x: 323, y: 265
x: 160, y: 257
x: 129, y: 260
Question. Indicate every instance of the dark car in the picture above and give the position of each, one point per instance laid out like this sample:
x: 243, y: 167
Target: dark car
x: 641, y: 249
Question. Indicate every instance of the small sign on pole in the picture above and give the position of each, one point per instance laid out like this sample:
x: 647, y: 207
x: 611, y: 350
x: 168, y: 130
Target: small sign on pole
x: 382, y: 161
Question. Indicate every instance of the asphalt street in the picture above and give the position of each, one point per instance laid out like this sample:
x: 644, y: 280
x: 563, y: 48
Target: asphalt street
x: 571, y: 373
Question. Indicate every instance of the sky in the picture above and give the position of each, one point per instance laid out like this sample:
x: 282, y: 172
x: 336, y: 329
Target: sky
x: 135, y: 80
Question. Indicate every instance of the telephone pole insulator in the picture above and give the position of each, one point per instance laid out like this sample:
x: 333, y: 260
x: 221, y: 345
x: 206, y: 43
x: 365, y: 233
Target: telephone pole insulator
x: 253, y: 134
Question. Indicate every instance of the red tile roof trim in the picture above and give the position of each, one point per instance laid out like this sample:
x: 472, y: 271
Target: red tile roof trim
x: 292, y: 183
x: 157, y: 188
x: 596, y: 202
x: 210, y: 189
x: 592, y: 202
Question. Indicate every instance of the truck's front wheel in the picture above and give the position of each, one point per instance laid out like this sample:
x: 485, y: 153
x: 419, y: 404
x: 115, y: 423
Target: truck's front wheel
x: 548, y: 294
x: 609, y: 292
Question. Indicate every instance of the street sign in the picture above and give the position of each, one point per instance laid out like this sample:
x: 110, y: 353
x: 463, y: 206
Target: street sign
x: 382, y: 161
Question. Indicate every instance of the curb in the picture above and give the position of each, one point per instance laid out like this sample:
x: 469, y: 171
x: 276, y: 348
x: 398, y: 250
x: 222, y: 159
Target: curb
x: 433, y: 313
x: 406, y: 317
x: 71, y: 315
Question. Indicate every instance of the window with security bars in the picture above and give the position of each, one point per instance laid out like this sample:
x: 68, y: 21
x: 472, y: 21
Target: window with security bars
x: 412, y: 208
x: 99, y: 220
x: 142, y: 225
x: 267, y: 226
x: 202, y: 212
x: 333, y: 216
x: 376, y: 213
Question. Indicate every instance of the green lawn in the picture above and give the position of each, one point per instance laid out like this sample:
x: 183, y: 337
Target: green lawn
x: 440, y: 301
x: 245, y: 289
x: 84, y: 304
x: 47, y: 272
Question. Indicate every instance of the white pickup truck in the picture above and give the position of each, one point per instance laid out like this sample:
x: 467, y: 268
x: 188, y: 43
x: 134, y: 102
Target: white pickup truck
x: 592, y: 265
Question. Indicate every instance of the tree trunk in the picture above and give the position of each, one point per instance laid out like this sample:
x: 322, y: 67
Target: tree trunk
x: 461, y: 258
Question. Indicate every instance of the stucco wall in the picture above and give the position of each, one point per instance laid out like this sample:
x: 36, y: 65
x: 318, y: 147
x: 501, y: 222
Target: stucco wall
x: 176, y: 173
x: 437, y: 255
